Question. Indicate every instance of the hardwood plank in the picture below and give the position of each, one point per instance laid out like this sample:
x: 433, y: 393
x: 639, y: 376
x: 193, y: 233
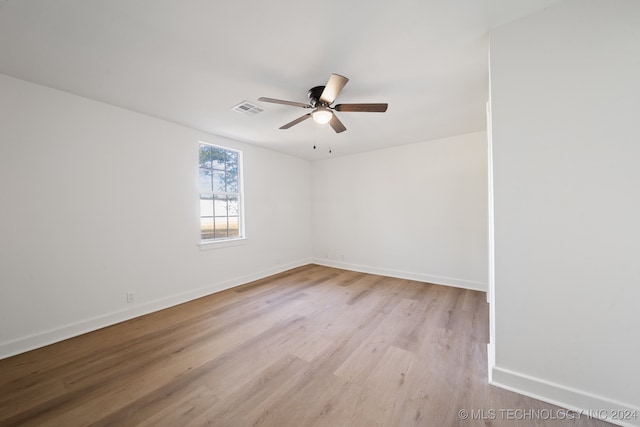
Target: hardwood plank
x: 271, y: 383
x: 183, y: 408
x: 387, y: 385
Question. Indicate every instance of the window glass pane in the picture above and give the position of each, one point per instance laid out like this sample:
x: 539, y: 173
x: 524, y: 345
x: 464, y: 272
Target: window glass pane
x: 231, y: 161
x: 205, y: 156
x: 206, y: 205
x: 233, y: 205
x: 231, y: 179
x: 218, y: 181
x: 217, y: 158
x: 220, y: 205
x: 205, y: 180
x: 221, y: 227
x: 234, y: 226
x: 206, y: 228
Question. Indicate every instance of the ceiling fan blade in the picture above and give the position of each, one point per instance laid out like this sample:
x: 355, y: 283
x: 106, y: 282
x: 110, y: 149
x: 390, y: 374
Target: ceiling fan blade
x: 333, y: 87
x: 280, y: 101
x: 336, y: 124
x: 364, y: 108
x: 296, y: 121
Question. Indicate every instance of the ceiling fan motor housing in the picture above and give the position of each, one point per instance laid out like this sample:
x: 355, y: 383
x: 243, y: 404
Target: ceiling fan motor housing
x: 314, y: 96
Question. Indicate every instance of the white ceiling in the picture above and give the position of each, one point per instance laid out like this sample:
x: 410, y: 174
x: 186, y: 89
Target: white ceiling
x: 191, y: 61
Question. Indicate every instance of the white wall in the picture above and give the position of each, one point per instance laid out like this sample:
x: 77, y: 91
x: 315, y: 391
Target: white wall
x: 566, y: 144
x: 96, y: 201
x: 416, y: 211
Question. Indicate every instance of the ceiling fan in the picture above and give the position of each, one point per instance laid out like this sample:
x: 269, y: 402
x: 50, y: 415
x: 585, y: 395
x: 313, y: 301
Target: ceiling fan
x: 320, y: 100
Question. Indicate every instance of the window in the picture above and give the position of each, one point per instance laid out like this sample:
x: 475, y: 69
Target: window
x: 220, y: 193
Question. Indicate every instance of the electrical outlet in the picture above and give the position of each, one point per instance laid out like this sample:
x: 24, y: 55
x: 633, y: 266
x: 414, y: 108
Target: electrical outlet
x: 131, y: 297
x: 341, y: 257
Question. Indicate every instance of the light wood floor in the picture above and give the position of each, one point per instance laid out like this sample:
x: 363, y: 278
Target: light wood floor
x: 314, y: 346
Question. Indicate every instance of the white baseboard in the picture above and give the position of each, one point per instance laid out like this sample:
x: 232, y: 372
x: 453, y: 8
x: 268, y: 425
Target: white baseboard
x: 584, y: 404
x: 491, y: 360
x: 420, y: 277
x: 61, y: 333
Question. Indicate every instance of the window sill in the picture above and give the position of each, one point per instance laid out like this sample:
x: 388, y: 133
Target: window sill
x: 219, y: 244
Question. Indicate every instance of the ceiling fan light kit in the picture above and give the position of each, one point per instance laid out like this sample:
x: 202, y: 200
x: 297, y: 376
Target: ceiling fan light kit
x: 322, y: 116
x: 320, y: 100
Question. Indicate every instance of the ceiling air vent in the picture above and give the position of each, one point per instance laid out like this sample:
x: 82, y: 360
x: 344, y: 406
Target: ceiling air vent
x: 245, y: 107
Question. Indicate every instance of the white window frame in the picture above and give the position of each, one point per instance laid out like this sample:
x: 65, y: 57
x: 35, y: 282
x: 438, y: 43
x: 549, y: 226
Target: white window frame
x: 223, y: 241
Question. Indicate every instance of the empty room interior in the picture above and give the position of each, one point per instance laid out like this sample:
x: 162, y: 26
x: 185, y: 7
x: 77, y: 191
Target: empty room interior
x: 410, y: 213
